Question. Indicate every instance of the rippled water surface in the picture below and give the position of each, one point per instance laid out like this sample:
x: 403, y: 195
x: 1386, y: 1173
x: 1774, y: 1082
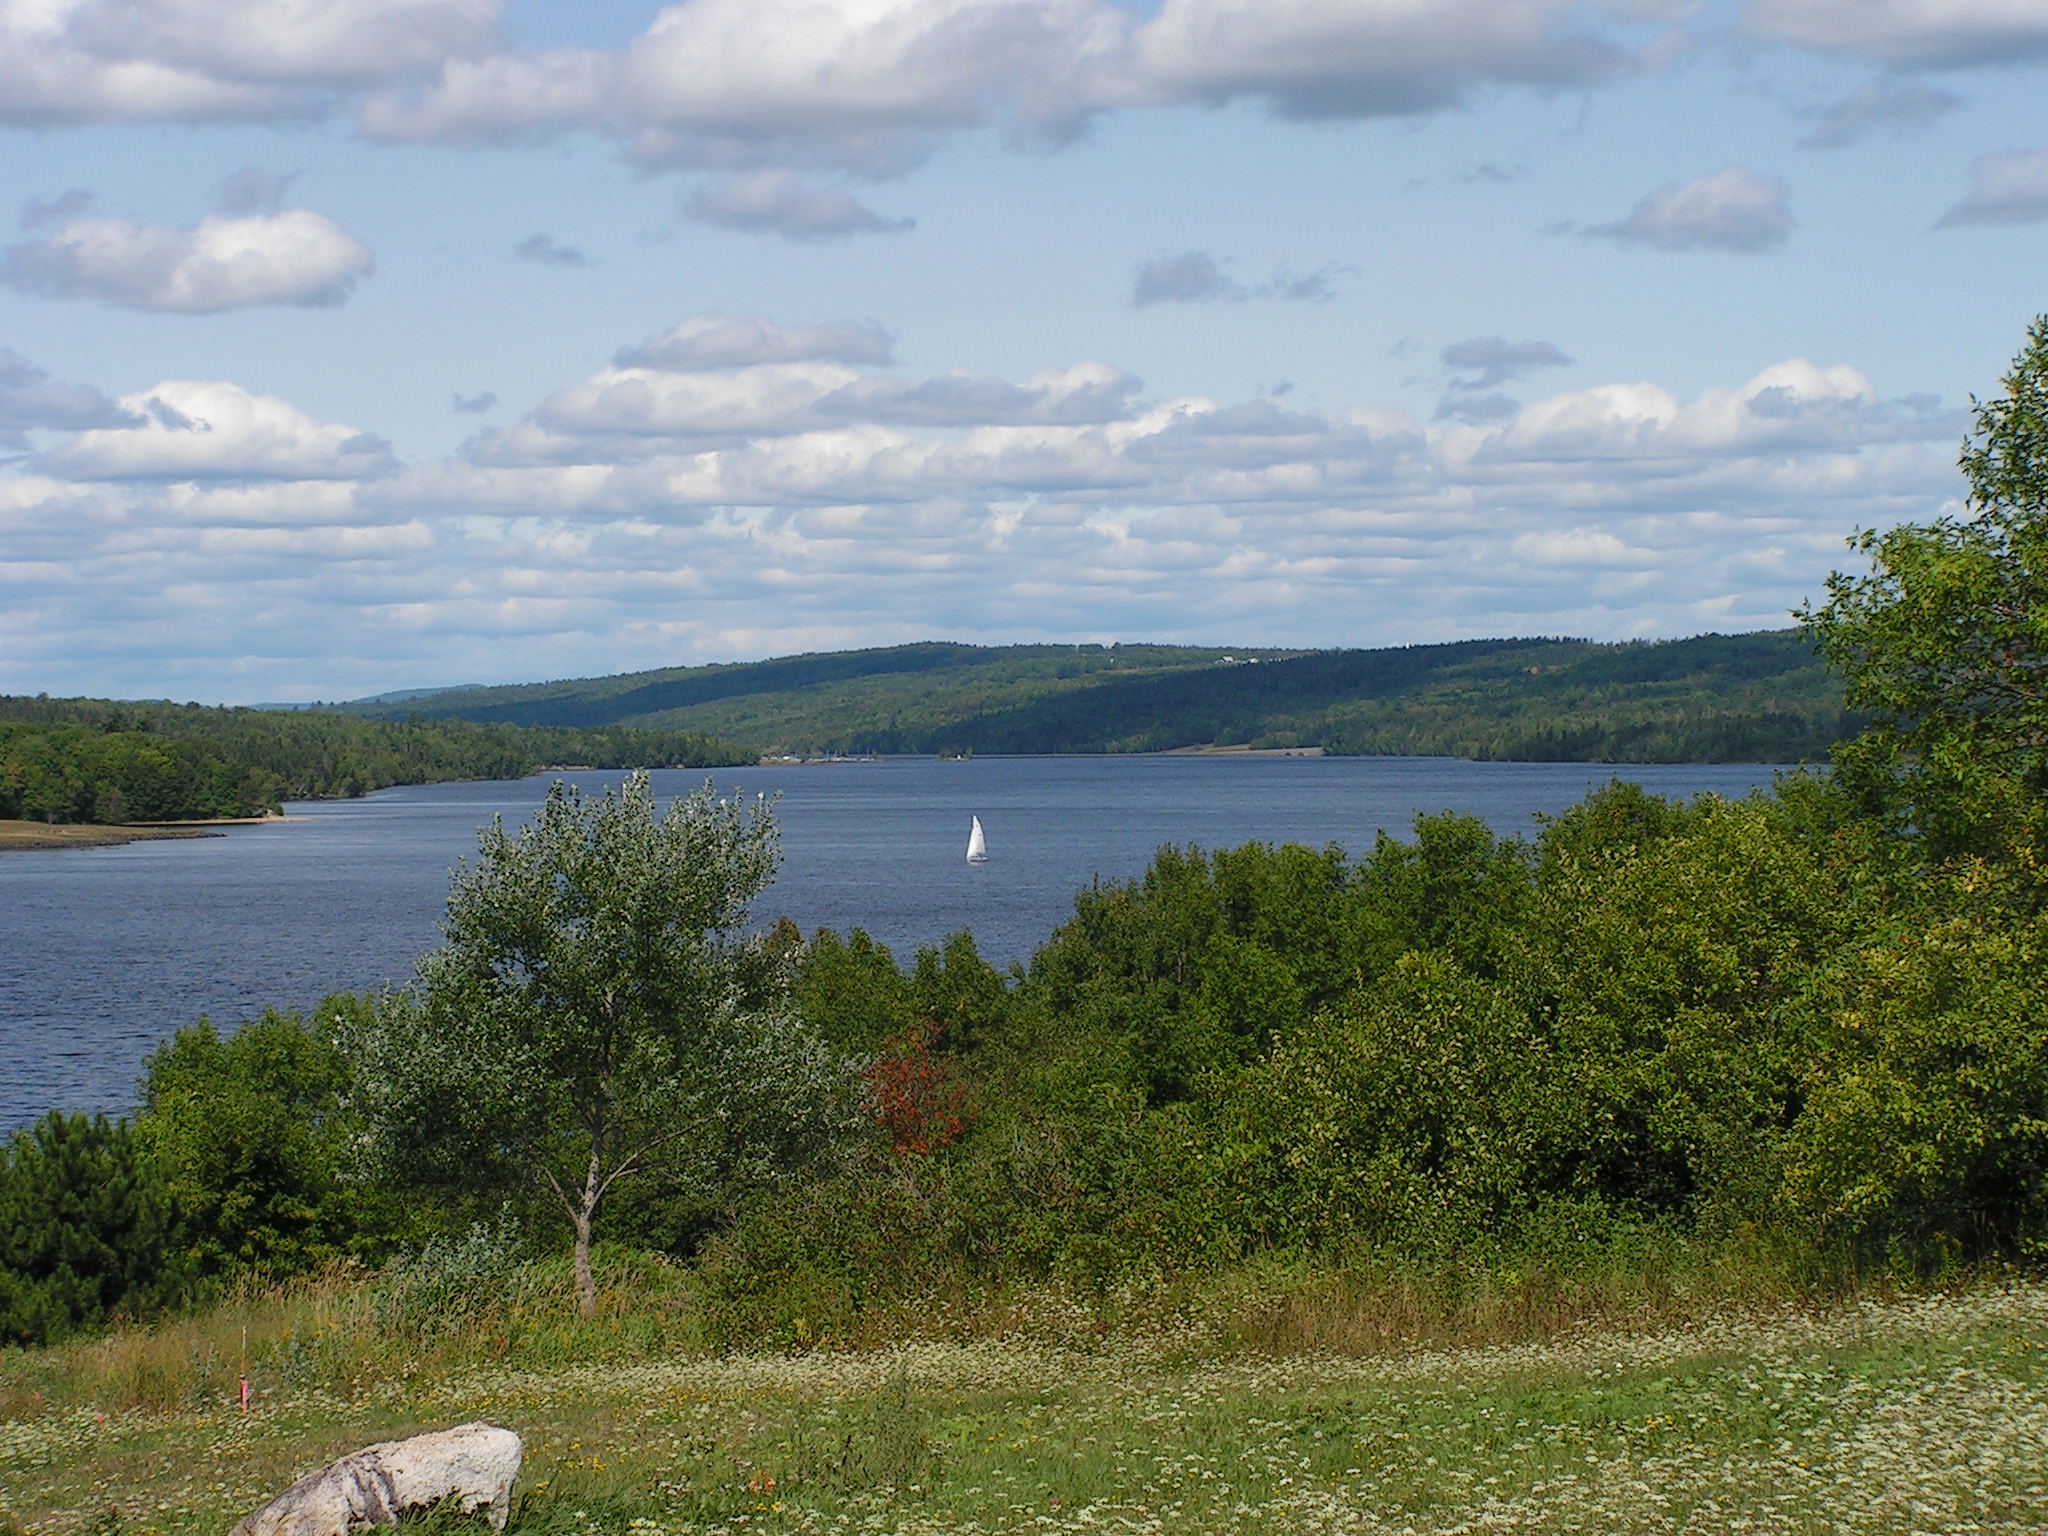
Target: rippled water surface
x: 104, y: 952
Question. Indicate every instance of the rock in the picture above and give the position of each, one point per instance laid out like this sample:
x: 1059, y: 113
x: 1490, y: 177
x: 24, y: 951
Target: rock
x: 474, y: 1465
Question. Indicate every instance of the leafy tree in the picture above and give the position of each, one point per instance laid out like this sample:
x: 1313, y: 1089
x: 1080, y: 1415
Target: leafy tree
x: 1946, y: 640
x: 84, y: 1229
x: 255, y: 1135
x: 595, y: 1013
x: 850, y: 990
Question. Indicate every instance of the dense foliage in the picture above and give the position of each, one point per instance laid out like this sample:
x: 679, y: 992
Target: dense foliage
x: 93, y: 760
x: 85, y: 1229
x: 1717, y: 698
x: 255, y: 1135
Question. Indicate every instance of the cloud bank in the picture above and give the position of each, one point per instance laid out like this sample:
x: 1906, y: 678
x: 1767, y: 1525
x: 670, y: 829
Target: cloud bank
x: 734, y: 485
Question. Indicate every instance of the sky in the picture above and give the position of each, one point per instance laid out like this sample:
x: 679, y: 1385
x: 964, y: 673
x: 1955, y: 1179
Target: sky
x: 357, y: 345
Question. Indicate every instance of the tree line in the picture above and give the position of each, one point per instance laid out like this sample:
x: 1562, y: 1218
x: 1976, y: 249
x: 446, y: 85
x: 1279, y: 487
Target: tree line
x: 1807, y: 1022
x: 94, y: 760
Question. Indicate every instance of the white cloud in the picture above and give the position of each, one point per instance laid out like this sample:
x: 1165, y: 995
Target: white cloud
x: 221, y: 263
x: 1732, y: 210
x: 185, y: 430
x: 870, y: 87
x: 498, y: 99
x: 2007, y: 188
x: 77, y: 61
x: 862, y: 84
x: 770, y: 398
x: 323, y: 43
x: 1908, y: 34
x: 782, y: 203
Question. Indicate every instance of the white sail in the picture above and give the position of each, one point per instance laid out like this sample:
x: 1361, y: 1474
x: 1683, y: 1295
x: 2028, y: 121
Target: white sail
x: 977, y: 845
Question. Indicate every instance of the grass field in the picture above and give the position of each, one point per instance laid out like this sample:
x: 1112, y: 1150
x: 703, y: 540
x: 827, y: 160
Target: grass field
x: 1922, y: 1413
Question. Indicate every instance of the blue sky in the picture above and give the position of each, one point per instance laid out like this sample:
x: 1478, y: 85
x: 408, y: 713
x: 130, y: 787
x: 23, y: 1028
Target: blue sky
x: 367, y: 344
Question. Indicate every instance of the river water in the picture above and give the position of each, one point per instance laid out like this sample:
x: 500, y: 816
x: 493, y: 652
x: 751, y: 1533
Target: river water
x: 104, y: 952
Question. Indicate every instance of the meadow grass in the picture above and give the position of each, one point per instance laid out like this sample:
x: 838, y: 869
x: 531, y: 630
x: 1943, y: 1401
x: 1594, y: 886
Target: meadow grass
x: 1251, y: 1407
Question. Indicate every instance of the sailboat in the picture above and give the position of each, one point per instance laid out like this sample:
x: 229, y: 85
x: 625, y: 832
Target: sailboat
x: 977, y: 845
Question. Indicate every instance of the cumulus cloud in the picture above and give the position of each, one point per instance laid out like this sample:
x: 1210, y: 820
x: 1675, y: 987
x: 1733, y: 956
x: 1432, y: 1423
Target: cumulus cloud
x: 2006, y: 188
x: 325, y: 43
x: 188, y: 430
x: 1196, y: 277
x: 30, y: 398
x: 1907, y: 34
x: 1893, y: 105
x: 871, y: 89
x: 782, y: 203
x: 1794, y: 405
x: 549, y: 253
x: 1730, y: 210
x: 732, y: 85
x: 75, y: 61
x: 725, y: 341
x: 222, y: 262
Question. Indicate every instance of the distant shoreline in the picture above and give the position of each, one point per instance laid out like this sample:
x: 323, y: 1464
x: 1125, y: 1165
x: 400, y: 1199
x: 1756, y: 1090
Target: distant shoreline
x: 39, y: 835
x: 1213, y: 751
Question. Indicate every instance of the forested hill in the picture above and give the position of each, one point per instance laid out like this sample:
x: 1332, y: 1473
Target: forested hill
x: 1755, y: 697
x: 96, y: 760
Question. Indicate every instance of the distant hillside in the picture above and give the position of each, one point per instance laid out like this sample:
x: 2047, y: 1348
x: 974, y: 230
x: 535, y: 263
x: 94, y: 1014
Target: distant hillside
x: 1716, y: 698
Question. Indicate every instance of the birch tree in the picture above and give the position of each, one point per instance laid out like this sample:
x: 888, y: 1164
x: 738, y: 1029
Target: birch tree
x: 596, y: 1013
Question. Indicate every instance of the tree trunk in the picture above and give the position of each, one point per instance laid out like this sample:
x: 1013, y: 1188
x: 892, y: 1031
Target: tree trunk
x: 586, y: 1287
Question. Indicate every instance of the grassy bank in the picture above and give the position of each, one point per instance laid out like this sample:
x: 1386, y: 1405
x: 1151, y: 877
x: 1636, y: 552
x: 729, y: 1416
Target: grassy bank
x: 1049, y: 1414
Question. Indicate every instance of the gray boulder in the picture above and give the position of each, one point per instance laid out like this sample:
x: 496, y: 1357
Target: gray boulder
x: 474, y: 1465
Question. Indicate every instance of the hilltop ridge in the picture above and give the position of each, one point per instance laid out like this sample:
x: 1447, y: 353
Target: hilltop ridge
x: 1752, y: 697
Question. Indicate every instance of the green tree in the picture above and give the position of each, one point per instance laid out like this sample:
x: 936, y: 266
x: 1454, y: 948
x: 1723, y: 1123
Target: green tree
x: 84, y: 1228
x: 255, y: 1134
x: 596, y: 1013
x: 1946, y: 641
